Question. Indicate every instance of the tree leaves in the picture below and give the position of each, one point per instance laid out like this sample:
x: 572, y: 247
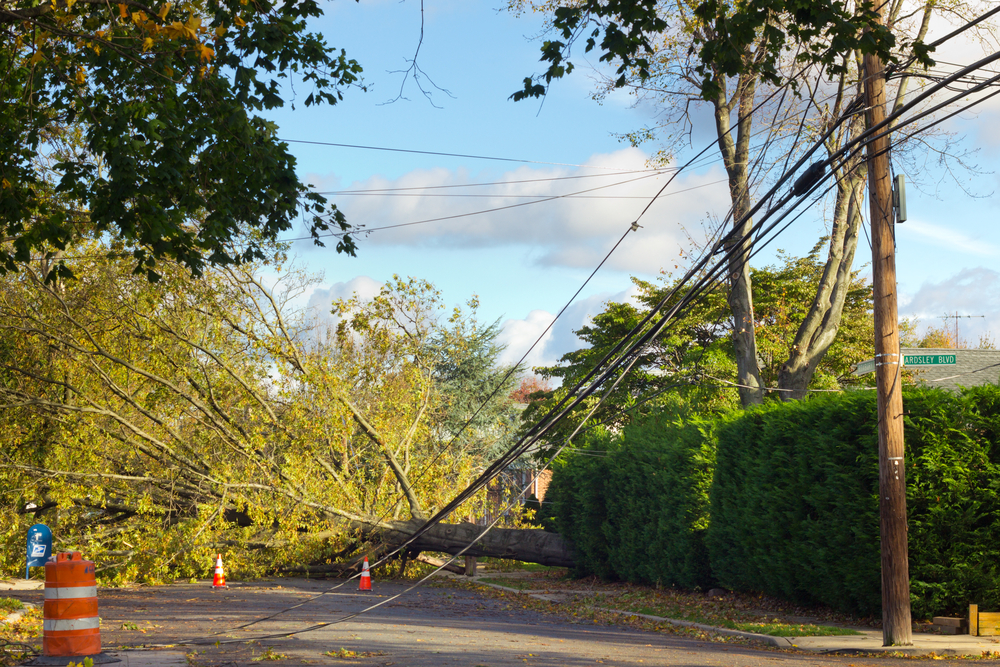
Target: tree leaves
x: 208, y: 413
x: 172, y: 163
x: 745, y: 37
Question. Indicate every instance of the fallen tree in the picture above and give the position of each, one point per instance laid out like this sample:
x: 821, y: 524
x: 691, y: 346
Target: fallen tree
x: 530, y: 545
x: 152, y: 424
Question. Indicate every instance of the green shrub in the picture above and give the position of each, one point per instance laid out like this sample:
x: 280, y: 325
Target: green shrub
x: 953, y: 495
x: 574, y: 505
x: 795, y: 501
x: 793, y: 491
x: 795, y: 505
x: 636, y: 506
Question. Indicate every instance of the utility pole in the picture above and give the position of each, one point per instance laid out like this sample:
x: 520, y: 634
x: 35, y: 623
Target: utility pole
x: 956, y: 316
x: 896, y: 624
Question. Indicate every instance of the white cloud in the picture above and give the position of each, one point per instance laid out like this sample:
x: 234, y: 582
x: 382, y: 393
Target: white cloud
x: 518, y: 335
x: 972, y: 291
x: 319, y: 301
x: 588, y: 210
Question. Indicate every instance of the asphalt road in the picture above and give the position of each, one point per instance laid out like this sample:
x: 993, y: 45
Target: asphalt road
x: 429, y: 627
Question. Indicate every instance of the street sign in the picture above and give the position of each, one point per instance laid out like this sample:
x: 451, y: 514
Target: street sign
x: 868, y: 365
x: 929, y: 359
x: 864, y: 367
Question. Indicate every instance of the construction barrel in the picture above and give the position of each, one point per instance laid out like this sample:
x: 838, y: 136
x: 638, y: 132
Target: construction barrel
x: 70, y: 626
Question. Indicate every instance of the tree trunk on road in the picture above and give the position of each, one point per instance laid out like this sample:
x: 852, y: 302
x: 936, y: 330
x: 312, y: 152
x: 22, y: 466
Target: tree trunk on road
x: 524, y: 544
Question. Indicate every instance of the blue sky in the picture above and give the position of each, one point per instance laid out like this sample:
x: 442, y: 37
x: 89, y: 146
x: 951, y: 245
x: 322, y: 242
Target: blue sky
x: 525, y: 262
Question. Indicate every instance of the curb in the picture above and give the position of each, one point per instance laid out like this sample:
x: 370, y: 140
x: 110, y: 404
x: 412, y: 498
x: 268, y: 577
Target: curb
x: 16, y: 616
x: 770, y: 640
x: 901, y: 650
x: 777, y: 642
x: 544, y: 594
x: 532, y: 592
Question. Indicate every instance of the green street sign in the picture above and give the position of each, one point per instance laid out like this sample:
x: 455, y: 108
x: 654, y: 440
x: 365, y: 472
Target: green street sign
x: 929, y: 359
x: 863, y: 367
x: 868, y: 365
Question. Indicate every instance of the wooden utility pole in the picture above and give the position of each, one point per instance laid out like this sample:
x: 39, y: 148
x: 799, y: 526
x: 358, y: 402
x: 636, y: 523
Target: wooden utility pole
x: 956, y: 317
x: 896, y: 627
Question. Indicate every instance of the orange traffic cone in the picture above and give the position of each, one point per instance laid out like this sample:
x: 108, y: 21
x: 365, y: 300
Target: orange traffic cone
x: 366, y: 577
x: 219, y: 580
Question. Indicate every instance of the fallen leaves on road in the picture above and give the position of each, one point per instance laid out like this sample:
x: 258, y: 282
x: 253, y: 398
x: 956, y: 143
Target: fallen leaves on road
x: 345, y: 654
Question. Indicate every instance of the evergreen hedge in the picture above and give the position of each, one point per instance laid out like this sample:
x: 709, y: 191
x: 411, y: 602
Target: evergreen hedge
x: 794, y: 502
x: 791, y: 489
x: 636, y: 507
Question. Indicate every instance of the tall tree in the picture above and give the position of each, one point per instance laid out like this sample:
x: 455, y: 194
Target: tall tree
x: 786, y: 71
x: 174, y: 161
x: 155, y: 422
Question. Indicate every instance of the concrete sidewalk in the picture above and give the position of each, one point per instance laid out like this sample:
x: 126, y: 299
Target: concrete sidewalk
x: 21, y: 584
x: 118, y: 659
x: 150, y: 658
x: 869, y: 641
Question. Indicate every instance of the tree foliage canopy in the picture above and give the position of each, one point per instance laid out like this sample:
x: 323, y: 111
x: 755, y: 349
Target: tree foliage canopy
x: 138, y: 123
x: 150, y: 424
x: 690, y: 366
x: 724, y: 33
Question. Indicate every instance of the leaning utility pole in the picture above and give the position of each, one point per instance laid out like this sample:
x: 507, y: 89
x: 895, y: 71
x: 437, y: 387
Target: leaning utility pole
x: 896, y: 626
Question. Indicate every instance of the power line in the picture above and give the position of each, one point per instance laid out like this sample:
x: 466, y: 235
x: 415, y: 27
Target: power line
x: 952, y: 377
x: 954, y: 33
x: 696, y: 161
x: 476, y: 185
x: 511, y: 196
x: 456, y: 216
x: 461, y: 155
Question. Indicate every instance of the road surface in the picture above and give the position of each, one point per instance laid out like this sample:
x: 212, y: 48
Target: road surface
x: 437, y: 626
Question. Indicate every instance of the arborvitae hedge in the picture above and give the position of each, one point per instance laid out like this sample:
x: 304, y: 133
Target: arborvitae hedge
x: 795, y: 505
x: 636, y: 507
x: 793, y: 501
x: 953, y: 492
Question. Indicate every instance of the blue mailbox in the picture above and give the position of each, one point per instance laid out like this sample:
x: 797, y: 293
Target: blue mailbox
x: 39, y: 547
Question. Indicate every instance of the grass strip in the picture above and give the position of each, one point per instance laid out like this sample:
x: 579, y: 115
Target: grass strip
x: 519, y: 584
x: 10, y: 605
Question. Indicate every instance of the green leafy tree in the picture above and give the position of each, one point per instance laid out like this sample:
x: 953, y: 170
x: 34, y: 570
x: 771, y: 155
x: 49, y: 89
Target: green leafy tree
x: 173, y: 160
x: 689, y: 369
x: 723, y: 34
x: 153, y: 423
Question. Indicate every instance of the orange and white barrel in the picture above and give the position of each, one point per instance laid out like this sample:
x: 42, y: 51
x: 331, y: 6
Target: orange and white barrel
x: 70, y: 626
